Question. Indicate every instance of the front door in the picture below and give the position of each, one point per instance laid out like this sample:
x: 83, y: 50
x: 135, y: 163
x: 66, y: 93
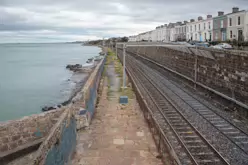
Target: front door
x: 240, y: 35
x: 223, y: 36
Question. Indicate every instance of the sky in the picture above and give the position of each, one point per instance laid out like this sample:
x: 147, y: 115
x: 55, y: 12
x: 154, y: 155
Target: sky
x: 26, y: 21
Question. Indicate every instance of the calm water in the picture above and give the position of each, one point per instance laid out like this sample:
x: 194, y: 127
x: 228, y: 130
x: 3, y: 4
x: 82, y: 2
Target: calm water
x: 34, y: 75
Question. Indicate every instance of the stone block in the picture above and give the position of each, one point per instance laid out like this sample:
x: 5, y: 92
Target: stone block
x: 119, y: 141
x: 13, y: 145
x: 16, y: 137
x: 4, y: 148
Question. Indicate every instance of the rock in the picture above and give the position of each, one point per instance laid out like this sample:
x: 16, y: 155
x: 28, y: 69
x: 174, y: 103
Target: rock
x: 89, y: 60
x: 66, y: 102
x: 44, y: 109
x: 74, y: 68
x: 102, y: 53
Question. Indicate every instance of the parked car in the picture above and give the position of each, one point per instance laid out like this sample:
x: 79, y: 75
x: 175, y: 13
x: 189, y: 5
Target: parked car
x: 222, y: 46
x: 202, y: 44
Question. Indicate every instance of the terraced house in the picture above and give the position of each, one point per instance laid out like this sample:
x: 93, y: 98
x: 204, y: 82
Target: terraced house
x: 232, y: 26
x: 220, y: 27
x: 236, y: 25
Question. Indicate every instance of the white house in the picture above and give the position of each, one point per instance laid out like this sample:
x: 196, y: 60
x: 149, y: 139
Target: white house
x: 181, y: 31
x: 246, y: 26
x: 132, y: 38
x: 154, y: 35
x: 200, y: 30
x: 190, y: 27
x: 236, y: 25
x: 172, y: 34
x: 206, y: 29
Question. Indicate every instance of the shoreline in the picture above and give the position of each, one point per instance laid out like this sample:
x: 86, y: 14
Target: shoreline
x: 73, y: 93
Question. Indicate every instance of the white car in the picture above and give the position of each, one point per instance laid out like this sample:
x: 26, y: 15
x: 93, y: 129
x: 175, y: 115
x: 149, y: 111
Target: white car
x: 222, y: 46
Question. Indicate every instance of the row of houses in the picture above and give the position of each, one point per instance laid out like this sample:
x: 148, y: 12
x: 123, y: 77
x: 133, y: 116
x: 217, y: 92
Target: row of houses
x: 231, y: 26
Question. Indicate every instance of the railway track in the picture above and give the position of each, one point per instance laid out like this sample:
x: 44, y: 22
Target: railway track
x: 192, y: 145
x: 230, y: 130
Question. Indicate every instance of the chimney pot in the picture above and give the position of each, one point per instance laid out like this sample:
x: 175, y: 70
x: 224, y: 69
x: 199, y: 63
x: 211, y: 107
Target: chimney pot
x: 235, y: 9
x: 220, y: 13
x: 200, y: 18
x: 192, y: 20
x: 209, y: 16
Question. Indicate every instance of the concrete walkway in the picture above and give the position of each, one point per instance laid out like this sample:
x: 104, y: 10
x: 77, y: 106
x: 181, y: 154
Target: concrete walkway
x: 118, y: 135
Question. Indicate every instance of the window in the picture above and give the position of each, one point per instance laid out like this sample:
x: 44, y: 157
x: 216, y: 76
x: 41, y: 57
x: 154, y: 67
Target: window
x: 204, y: 26
x: 205, y: 34
x: 221, y: 24
x: 209, y: 25
x: 195, y: 36
x: 191, y: 28
x: 199, y: 26
x: 231, y: 34
x: 195, y: 27
x: 230, y: 21
x: 239, y: 20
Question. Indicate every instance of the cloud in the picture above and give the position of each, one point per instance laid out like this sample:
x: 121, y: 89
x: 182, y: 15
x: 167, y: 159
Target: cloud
x: 63, y: 20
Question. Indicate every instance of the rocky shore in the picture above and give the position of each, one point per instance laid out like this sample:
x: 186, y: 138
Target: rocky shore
x: 81, y: 72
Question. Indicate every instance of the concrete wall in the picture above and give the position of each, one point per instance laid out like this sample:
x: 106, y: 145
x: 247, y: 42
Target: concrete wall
x: 223, y: 71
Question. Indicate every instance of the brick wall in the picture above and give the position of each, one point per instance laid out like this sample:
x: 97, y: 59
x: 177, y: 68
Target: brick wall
x: 223, y: 71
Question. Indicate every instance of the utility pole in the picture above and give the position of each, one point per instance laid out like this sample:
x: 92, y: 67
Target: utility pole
x: 116, y: 50
x: 124, y: 66
x: 196, y: 64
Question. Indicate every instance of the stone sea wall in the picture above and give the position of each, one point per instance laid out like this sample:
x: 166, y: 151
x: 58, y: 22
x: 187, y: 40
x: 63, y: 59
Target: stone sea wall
x: 24, y: 133
x: 60, y: 144
x: 86, y: 99
x: 221, y: 70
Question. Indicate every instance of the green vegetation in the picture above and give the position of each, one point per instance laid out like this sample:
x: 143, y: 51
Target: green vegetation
x: 111, y: 58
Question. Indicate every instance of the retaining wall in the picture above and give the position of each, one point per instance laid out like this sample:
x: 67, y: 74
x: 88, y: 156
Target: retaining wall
x: 221, y: 70
x: 61, y: 142
x: 88, y: 96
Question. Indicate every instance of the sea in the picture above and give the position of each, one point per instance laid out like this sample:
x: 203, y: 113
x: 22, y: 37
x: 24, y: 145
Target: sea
x: 34, y: 75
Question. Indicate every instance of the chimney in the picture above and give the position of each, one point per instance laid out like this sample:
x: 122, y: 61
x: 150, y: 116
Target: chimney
x: 192, y: 20
x: 165, y: 25
x: 235, y: 9
x: 179, y: 23
x: 220, y: 13
x: 200, y: 18
x: 209, y: 16
x: 185, y: 22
